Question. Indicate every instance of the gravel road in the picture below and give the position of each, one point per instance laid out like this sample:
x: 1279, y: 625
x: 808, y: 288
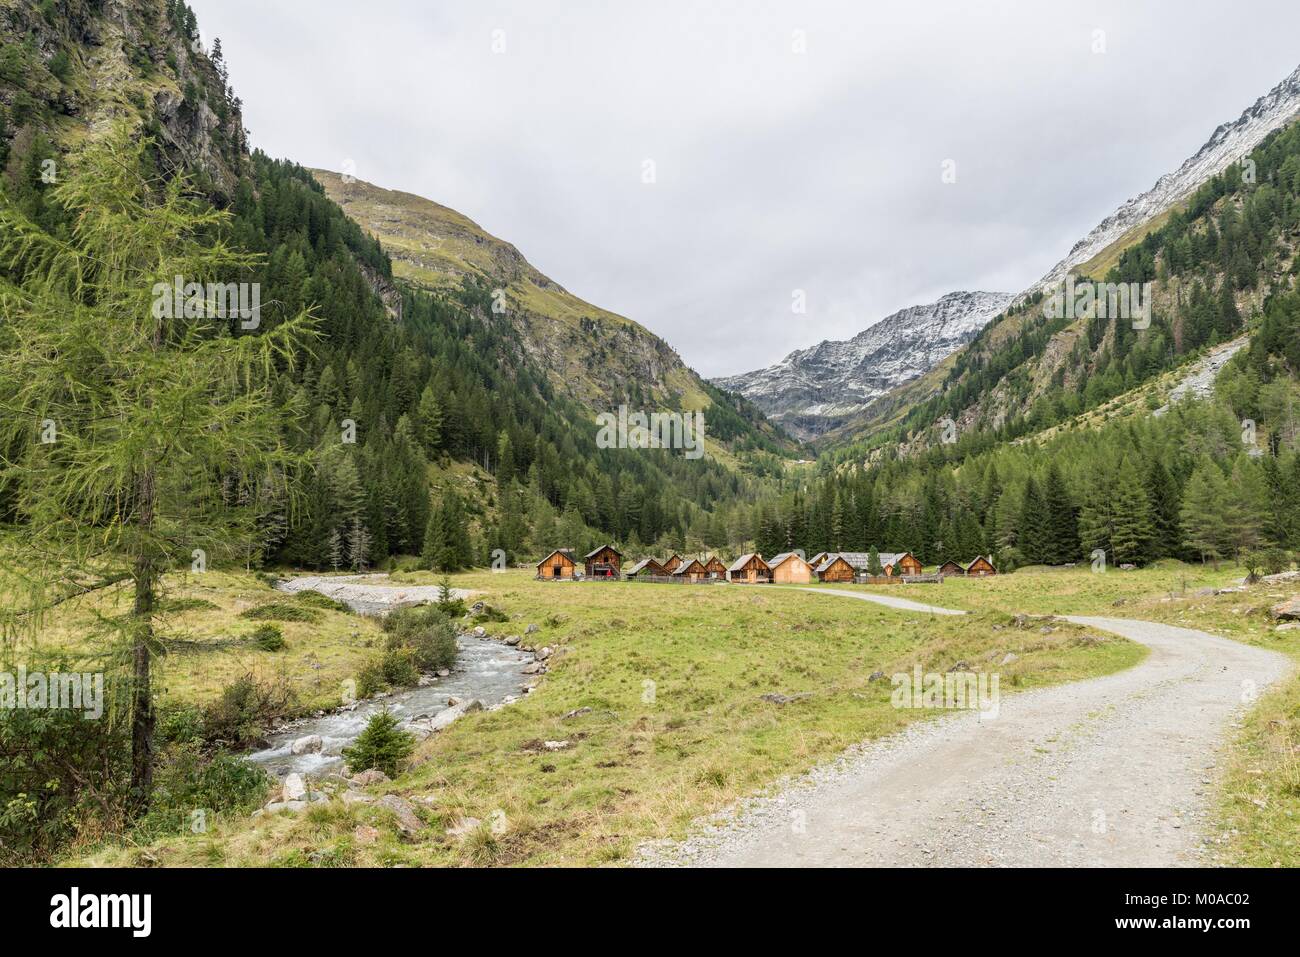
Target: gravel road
x: 1115, y: 771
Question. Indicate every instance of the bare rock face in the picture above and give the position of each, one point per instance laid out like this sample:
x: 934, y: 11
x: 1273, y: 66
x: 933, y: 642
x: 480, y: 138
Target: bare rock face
x: 814, y: 390
x: 1288, y: 610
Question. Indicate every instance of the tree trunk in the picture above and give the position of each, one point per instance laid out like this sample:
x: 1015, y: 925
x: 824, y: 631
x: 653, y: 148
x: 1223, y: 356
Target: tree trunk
x: 142, y: 715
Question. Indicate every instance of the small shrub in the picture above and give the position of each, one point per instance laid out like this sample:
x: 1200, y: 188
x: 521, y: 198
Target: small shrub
x: 382, y: 745
x: 180, y: 725
x: 280, y: 611
x: 398, y: 667
x: 268, y: 637
x: 427, y: 632
x: 245, y: 707
x: 190, y: 781
x: 315, y: 599
x: 370, y: 679
x: 448, y: 603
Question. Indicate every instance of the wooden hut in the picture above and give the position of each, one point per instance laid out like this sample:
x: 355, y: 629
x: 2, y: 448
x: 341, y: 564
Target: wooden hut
x: 671, y: 564
x: 835, y: 568
x: 821, y: 558
x: 749, y: 569
x: 790, y: 568
x: 715, y: 568
x: 604, y: 562
x: 900, y: 563
x: 558, y: 566
x: 645, y: 568
x: 691, y: 571
x: 952, y: 568
x: 981, y: 568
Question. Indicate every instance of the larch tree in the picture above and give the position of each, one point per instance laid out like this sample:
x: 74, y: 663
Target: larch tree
x: 133, y: 414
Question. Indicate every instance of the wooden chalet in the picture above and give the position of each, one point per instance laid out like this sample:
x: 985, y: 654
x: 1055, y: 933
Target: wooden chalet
x: 900, y: 563
x: 691, y: 571
x: 672, y: 562
x: 604, y: 562
x: 749, y: 569
x: 790, y: 568
x: 835, y: 568
x: 952, y: 568
x: 981, y: 568
x: 558, y: 566
x: 715, y: 568
x: 646, y: 568
x: 821, y: 558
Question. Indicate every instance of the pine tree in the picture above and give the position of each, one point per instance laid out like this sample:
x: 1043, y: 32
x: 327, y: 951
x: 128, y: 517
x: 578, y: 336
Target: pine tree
x: 1034, y: 526
x: 154, y: 412
x: 1133, y: 528
x: 1204, y: 529
x: 1062, y: 524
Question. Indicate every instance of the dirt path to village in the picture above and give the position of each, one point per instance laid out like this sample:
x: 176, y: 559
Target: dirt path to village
x: 1115, y: 771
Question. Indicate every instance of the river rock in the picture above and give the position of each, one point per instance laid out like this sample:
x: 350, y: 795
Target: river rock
x: 311, y: 744
x: 512, y: 640
x: 544, y: 653
x: 1287, y: 610
x: 407, y: 820
x: 294, y: 788
x: 532, y: 668
x: 443, y: 672
x: 367, y: 778
x: 480, y: 632
x: 293, y: 807
x: 445, y: 717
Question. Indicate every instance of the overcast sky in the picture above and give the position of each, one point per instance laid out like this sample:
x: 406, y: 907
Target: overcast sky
x: 775, y: 170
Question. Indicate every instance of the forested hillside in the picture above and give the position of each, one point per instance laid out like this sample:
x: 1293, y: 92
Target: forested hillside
x: 430, y: 430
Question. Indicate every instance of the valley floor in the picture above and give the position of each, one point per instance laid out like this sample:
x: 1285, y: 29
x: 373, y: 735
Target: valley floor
x: 672, y: 703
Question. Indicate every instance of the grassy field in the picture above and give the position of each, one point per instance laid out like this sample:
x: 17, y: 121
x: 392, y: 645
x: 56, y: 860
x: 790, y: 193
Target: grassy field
x: 677, y: 726
x: 205, y: 638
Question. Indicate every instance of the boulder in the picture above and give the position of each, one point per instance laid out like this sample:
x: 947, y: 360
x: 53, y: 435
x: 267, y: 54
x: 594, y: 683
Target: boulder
x: 531, y: 630
x: 544, y: 653
x: 311, y: 744
x: 443, y: 672
x: 407, y: 820
x: 294, y: 788
x: 532, y: 668
x: 876, y: 676
x: 367, y: 778
x: 446, y: 716
x: 512, y: 640
x: 1288, y: 610
x: 479, y: 632
x: 293, y: 807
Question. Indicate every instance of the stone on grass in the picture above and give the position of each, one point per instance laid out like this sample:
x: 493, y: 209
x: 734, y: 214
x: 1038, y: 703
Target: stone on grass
x: 294, y: 788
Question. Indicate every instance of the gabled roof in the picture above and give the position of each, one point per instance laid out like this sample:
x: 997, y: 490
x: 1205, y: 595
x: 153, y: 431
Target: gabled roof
x: 684, y: 567
x: 566, y: 552
x: 713, y: 558
x: 643, y: 563
x: 981, y: 558
x: 744, y: 560
x: 595, y: 552
x: 831, y: 559
x: 783, y: 558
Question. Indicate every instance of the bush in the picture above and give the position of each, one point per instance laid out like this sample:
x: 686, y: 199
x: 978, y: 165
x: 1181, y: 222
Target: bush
x: 268, y: 637
x: 314, y: 599
x: 427, y: 632
x: 447, y: 603
x: 188, y: 781
x: 398, y: 668
x: 244, y: 709
x: 280, y: 611
x: 1274, y: 561
x: 382, y: 745
x: 61, y: 776
x: 370, y: 679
